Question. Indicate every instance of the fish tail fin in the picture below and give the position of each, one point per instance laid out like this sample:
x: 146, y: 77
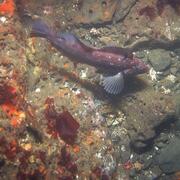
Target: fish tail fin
x: 40, y: 28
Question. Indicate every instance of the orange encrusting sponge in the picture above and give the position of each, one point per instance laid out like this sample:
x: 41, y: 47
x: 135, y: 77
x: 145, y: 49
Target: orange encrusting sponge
x: 7, y: 7
x: 16, y: 116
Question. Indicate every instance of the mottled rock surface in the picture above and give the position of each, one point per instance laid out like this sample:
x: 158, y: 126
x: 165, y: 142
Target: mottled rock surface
x: 93, y: 11
x: 145, y: 111
x: 103, y: 11
x: 169, y: 157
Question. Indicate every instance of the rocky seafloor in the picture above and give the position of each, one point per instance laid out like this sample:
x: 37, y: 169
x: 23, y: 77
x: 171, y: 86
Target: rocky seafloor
x: 57, y: 122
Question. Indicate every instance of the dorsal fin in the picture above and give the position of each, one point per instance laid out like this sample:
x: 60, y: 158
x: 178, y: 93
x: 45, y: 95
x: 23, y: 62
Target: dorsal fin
x: 116, y: 50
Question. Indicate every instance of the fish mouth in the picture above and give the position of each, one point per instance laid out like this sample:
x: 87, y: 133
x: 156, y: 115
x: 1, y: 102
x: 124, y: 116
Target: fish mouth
x: 142, y: 66
x: 146, y: 68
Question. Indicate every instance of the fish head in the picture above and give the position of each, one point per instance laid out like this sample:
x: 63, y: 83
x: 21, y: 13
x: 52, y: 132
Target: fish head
x: 140, y: 66
x: 70, y: 43
x: 137, y: 67
x: 67, y: 39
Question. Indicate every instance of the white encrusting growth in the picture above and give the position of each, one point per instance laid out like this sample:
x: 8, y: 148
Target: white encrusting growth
x: 154, y: 74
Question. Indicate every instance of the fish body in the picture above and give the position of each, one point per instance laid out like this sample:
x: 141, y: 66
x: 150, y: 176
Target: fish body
x: 113, y: 60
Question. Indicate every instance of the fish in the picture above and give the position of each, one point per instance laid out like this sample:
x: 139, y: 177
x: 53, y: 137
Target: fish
x: 115, y: 62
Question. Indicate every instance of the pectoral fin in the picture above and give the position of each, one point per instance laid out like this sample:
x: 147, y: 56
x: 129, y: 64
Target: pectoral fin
x: 113, y: 84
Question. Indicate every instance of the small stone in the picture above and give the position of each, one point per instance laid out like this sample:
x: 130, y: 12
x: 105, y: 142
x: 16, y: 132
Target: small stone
x: 28, y: 147
x: 172, y: 54
x: 3, y: 19
x: 147, y: 163
x: 132, y: 173
x: 163, y: 138
x: 156, y: 171
x: 177, y: 124
x: 38, y: 90
x: 174, y: 70
x: 140, y: 54
x: 138, y: 166
x: 114, y: 119
x: 138, y: 145
x: 177, y: 51
x: 125, y: 155
x: 169, y: 157
x: 160, y: 145
x: 32, y: 159
x: 159, y: 59
x: 2, y: 162
x: 121, y: 173
x: 109, y: 163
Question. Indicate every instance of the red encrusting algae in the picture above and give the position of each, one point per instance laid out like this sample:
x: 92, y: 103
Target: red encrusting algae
x: 175, y: 4
x: 67, y: 161
x: 7, y: 93
x: 7, y: 7
x: 9, y: 104
x: 149, y: 12
x: 9, y: 149
x: 62, y: 124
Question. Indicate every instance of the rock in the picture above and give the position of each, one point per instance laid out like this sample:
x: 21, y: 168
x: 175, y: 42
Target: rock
x: 151, y: 32
x: 174, y: 70
x: 159, y: 59
x: 122, y: 173
x: 162, y: 140
x: 114, y: 119
x: 169, y: 157
x: 178, y: 106
x: 98, y: 12
x: 123, y: 9
x: 154, y: 173
x: 132, y: 173
x: 2, y: 162
x: 103, y: 11
x: 160, y: 145
x: 146, y: 112
x: 120, y: 138
x: 147, y: 163
x: 177, y: 51
x: 177, y: 124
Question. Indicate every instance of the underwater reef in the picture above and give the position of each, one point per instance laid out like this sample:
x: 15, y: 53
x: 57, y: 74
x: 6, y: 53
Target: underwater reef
x: 56, y: 119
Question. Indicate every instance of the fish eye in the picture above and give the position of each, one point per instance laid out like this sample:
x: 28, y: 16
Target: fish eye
x: 61, y: 39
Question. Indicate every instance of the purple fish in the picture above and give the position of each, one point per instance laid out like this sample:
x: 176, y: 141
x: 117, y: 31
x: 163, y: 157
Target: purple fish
x: 114, y: 61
